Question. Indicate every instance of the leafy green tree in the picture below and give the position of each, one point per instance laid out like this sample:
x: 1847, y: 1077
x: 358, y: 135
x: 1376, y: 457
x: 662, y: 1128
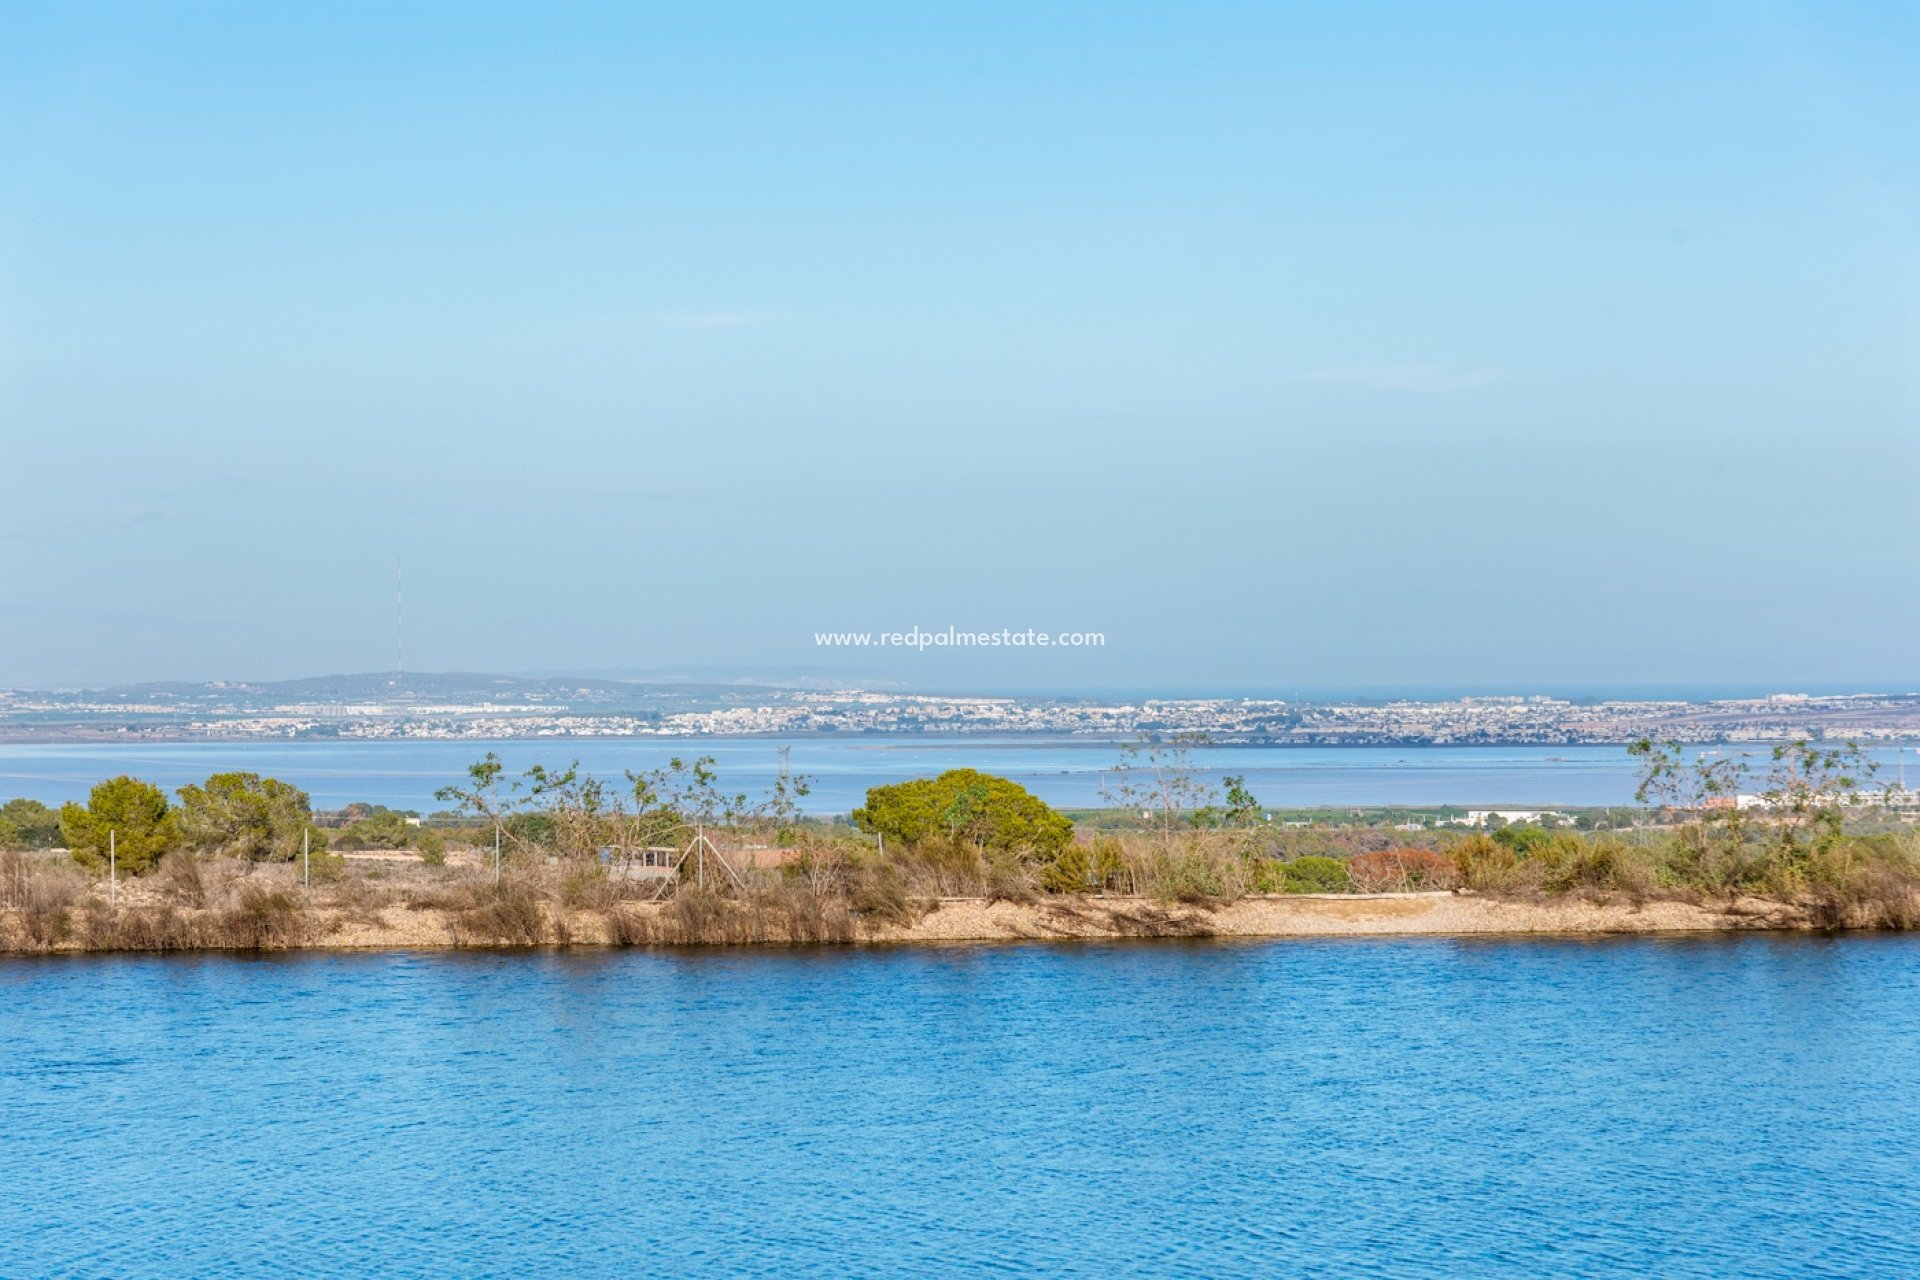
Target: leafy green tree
x: 669, y: 802
x: 133, y: 813
x: 1237, y: 811
x: 965, y: 804
x: 689, y: 791
x: 243, y: 815
x: 782, y: 807
x: 582, y: 813
x: 1242, y: 806
x: 33, y: 825
x: 487, y: 795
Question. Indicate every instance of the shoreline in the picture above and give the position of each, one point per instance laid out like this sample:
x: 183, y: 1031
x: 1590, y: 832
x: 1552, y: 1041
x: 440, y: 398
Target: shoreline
x: 955, y: 920
x: 1433, y: 914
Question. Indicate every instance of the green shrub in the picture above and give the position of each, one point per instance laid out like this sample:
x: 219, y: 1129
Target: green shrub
x: 1070, y: 872
x: 1086, y: 867
x: 1524, y: 841
x: 320, y: 866
x: 1110, y: 869
x: 1592, y: 864
x: 124, y: 817
x: 1314, y: 874
x: 1485, y: 864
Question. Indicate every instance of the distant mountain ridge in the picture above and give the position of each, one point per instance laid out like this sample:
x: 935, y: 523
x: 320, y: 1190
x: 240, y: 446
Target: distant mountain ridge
x: 410, y: 687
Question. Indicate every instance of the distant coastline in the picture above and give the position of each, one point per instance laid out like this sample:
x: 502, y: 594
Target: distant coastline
x: 983, y: 739
x: 377, y: 708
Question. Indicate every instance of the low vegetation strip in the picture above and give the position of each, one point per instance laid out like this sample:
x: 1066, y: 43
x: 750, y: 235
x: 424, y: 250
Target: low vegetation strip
x: 558, y: 857
x: 235, y: 908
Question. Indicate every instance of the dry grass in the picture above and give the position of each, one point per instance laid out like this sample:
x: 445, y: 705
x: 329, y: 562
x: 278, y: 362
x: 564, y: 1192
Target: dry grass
x: 880, y: 893
x: 631, y: 927
x: 260, y: 918
x: 589, y: 888
x: 765, y: 914
x: 155, y: 926
x: 182, y: 879
x: 1402, y: 870
x: 1189, y: 887
x: 509, y: 913
x: 14, y: 871
x: 814, y: 917
x: 42, y: 896
x: 1871, y: 898
x: 360, y: 899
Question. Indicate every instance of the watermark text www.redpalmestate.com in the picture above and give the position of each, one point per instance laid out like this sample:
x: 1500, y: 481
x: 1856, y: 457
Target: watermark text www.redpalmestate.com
x: 957, y: 638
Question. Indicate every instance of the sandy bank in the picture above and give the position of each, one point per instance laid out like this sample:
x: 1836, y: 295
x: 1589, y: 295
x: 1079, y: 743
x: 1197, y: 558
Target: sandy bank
x: 1299, y: 916
x: 404, y: 926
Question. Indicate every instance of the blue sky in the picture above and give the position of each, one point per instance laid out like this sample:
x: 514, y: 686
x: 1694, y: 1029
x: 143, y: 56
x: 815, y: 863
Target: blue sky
x: 1290, y: 346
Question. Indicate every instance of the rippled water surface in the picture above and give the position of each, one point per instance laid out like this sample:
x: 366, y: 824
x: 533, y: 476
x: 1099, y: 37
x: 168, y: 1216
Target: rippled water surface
x: 1695, y: 1107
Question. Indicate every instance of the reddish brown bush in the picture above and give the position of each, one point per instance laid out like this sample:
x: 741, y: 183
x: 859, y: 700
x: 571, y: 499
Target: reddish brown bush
x: 1386, y: 870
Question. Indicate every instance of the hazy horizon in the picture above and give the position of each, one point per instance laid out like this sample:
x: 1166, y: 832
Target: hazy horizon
x: 824, y: 679
x: 1287, y: 347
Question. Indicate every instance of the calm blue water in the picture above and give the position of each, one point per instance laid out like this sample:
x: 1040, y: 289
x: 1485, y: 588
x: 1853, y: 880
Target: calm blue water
x: 1417, y: 1108
x: 404, y: 775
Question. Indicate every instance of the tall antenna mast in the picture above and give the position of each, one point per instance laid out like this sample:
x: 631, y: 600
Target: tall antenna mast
x: 399, y: 627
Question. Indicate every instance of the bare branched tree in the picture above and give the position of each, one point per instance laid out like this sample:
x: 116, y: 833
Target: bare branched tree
x: 1158, y: 777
